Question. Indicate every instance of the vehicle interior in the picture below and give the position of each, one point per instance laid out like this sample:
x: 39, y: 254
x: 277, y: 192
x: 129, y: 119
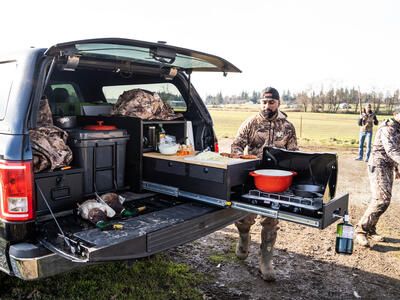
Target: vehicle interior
x: 88, y: 94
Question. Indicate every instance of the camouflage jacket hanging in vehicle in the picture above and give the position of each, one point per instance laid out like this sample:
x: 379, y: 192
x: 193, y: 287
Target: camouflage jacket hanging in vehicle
x: 258, y: 132
x: 49, y: 148
x: 144, y: 105
x: 386, y: 148
x: 44, y: 117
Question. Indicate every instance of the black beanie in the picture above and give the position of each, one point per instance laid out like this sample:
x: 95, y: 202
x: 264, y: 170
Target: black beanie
x: 271, y: 93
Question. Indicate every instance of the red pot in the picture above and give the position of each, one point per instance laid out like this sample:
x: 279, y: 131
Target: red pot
x: 272, y: 181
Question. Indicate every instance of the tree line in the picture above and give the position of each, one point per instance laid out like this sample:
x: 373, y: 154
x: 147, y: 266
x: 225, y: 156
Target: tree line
x: 331, y: 100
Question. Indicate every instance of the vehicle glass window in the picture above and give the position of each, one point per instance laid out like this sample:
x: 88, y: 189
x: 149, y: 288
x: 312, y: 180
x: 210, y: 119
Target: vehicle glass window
x: 63, y: 99
x: 7, y: 72
x: 63, y: 90
x: 142, y: 54
x: 167, y: 92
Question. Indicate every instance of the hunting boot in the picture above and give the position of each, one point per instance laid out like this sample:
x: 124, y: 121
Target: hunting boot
x: 242, y: 247
x: 361, y: 239
x: 266, y: 268
x: 376, y: 237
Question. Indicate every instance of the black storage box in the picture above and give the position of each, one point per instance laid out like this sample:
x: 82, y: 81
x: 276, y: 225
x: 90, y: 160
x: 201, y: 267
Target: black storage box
x: 62, y: 190
x: 101, y: 154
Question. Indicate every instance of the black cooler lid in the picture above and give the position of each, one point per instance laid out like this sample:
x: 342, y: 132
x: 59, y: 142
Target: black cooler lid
x: 312, y: 167
x: 82, y: 134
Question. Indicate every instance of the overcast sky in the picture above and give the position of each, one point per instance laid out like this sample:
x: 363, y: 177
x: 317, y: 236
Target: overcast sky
x: 288, y: 44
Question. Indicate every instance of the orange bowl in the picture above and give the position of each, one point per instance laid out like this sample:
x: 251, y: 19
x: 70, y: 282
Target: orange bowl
x: 272, y: 181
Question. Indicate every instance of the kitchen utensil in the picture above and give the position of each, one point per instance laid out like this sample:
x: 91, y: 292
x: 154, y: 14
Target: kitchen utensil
x: 271, y: 180
x: 168, y: 148
x: 65, y: 122
x: 308, y: 190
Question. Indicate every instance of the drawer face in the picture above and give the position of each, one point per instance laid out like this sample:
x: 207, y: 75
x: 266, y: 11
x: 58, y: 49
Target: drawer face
x: 170, y: 167
x: 61, y: 192
x: 207, y: 173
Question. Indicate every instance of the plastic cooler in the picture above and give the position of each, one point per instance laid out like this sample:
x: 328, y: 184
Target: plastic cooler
x: 101, y: 154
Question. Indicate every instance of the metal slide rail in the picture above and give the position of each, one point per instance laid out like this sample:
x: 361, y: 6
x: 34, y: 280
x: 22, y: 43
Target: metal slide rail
x: 264, y: 211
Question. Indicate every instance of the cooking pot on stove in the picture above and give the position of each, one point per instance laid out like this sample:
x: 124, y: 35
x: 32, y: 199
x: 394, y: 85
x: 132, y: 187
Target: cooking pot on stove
x: 271, y: 180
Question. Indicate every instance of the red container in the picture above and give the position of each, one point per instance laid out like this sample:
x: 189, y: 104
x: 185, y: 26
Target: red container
x: 272, y: 181
x: 100, y: 126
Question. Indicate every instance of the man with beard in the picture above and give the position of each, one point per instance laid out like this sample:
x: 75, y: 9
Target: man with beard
x: 268, y: 128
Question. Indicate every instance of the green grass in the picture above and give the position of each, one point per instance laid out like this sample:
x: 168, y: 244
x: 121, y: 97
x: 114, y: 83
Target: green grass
x: 311, y: 128
x: 224, y: 256
x: 153, y: 278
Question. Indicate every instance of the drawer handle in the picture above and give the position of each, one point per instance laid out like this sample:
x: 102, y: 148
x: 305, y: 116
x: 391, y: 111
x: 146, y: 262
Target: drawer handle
x: 205, y: 170
x: 170, y: 164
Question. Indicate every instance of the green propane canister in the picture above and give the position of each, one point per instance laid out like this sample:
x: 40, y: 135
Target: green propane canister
x: 344, y: 236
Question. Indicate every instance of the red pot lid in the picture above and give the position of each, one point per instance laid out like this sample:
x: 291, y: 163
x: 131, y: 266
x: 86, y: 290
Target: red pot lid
x: 100, y: 126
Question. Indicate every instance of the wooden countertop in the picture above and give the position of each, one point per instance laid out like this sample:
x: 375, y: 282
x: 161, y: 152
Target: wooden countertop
x: 187, y: 159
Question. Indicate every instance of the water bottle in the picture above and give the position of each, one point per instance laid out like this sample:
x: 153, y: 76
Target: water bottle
x: 344, y: 236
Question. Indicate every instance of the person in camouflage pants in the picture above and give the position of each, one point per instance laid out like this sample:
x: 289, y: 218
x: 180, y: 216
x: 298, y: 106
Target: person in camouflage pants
x: 268, y: 128
x: 382, y: 166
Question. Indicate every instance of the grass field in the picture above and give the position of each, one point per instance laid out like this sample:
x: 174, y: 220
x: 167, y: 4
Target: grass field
x: 311, y: 128
x: 153, y: 278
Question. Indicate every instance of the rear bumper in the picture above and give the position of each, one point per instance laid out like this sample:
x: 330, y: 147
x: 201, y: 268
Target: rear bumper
x: 41, y: 267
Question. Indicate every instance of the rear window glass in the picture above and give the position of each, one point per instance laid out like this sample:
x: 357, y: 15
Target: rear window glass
x: 167, y: 92
x: 7, y: 72
x: 63, y: 99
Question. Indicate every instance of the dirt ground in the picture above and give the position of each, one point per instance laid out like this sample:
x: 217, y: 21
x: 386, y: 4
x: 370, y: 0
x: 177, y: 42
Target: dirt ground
x: 305, y: 261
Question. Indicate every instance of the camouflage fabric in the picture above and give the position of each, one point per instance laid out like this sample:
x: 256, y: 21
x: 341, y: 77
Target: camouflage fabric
x: 49, y: 148
x: 381, y: 167
x: 258, y: 132
x: 269, y: 228
x: 386, y: 147
x: 381, y: 181
x: 45, y: 116
x: 144, y: 105
x: 367, y: 121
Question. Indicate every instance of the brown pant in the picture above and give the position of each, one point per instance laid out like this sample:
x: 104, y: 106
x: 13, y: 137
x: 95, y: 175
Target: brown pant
x: 268, y: 232
x: 381, y: 181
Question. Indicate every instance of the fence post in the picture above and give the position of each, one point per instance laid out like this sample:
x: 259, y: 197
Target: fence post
x: 301, y: 125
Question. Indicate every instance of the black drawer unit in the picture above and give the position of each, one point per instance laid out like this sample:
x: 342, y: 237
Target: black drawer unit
x: 61, y: 189
x: 213, y: 180
x: 170, y: 167
x: 207, y: 173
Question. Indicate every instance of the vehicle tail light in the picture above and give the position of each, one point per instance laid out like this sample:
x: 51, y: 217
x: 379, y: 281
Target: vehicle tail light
x: 16, y: 191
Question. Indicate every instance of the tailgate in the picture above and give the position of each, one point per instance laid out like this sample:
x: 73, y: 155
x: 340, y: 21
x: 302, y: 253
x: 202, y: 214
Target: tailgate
x: 140, y: 236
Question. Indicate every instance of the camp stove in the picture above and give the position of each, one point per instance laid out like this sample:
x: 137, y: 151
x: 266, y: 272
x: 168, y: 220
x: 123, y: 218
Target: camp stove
x: 286, y: 200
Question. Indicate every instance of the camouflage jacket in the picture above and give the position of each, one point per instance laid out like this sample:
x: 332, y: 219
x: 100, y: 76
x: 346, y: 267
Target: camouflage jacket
x: 49, y: 148
x: 144, y: 105
x: 367, y: 121
x: 258, y: 132
x: 386, y: 148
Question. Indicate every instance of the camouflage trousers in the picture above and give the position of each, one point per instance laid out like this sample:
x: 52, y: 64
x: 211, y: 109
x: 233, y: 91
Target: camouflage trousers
x: 381, y: 181
x: 269, y: 230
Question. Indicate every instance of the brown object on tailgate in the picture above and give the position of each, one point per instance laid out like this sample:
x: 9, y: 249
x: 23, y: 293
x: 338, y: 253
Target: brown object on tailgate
x: 230, y: 155
x: 248, y: 156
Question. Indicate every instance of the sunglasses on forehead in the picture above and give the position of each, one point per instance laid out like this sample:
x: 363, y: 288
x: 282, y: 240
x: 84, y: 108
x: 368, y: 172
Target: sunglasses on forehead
x: 268, y: 101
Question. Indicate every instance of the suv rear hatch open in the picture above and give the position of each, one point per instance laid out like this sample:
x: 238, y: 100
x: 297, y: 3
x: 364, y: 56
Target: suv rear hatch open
x: 166, y: 221
x: 132, y: 54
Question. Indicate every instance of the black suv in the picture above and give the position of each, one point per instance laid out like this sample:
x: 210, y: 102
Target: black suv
x: 172, y: 199
x: 40, y: 232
